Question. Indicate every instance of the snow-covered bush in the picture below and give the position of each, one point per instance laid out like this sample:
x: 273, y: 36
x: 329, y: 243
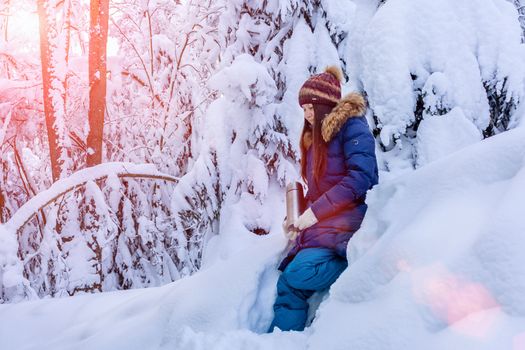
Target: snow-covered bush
x: 98, y: 230
x: 417, y: 59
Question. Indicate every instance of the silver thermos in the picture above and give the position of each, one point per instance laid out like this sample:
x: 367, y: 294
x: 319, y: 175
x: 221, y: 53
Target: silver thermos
x: 294, y: 204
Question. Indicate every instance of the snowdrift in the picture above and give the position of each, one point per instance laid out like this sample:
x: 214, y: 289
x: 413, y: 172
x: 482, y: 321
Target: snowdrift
x: 437, y: 264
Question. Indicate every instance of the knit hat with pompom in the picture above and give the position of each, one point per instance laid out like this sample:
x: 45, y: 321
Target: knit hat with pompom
x: 323, y: 88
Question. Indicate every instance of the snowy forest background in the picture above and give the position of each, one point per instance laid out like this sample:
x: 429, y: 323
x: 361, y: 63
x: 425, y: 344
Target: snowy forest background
x: 201, y: 121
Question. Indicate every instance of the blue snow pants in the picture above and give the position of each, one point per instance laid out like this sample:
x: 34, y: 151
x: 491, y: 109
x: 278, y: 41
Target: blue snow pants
x: 311, y: 270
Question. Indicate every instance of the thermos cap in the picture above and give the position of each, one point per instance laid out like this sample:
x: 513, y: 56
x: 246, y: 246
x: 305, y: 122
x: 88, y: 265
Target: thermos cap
x: 293, y: 186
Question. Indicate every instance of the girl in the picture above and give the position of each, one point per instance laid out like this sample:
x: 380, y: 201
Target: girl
x: 338, y: 164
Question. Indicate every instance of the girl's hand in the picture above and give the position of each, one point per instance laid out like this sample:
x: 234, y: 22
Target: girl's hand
x: 306, y: 220
x: 290, y: 234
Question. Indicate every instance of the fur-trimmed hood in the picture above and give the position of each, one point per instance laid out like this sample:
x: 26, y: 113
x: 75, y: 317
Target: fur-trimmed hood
x: 350, y: 106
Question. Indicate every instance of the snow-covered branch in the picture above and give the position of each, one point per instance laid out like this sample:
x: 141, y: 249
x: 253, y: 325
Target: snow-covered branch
x: 78, y: 179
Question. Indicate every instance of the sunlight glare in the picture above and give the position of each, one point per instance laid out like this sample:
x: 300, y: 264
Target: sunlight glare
x: 24, y: 25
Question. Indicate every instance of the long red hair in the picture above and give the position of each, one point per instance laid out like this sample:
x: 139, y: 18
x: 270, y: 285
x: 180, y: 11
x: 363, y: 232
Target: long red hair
x: 311, y: 137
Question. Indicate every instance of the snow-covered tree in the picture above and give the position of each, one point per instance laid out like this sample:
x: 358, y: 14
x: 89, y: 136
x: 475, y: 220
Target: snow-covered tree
x: 168, y: 51
x: 20, y: 112
x: 444, y: 65
x: 248, y: 137
x: 54, y: 17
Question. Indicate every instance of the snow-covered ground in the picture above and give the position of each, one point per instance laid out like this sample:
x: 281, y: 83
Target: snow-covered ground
x: 437, y: 264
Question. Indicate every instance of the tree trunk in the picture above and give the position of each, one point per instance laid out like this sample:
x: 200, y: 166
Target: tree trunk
x: 47, y: 78
x: 98, y: 35
x: 6, y: 10
x: 3, y: 217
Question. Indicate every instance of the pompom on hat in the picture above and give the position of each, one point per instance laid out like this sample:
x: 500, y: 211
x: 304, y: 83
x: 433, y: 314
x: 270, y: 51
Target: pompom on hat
x: 323, y: 88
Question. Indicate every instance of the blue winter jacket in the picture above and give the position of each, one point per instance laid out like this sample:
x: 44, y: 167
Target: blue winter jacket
x: 338, y: 200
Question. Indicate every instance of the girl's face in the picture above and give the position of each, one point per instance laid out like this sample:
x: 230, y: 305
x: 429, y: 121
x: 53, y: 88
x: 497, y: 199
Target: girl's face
x: 309, y: 113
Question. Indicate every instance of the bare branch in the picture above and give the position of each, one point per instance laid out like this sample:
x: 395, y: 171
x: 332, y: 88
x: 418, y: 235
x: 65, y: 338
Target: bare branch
x: 138, y: 55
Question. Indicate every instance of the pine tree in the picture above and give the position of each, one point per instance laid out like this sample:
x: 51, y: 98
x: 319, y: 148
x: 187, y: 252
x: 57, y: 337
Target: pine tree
x: 256, y: 110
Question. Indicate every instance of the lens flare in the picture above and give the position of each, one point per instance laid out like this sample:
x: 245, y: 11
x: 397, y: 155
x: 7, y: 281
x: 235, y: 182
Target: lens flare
x: 23, y: 25
x: 461, y: 303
